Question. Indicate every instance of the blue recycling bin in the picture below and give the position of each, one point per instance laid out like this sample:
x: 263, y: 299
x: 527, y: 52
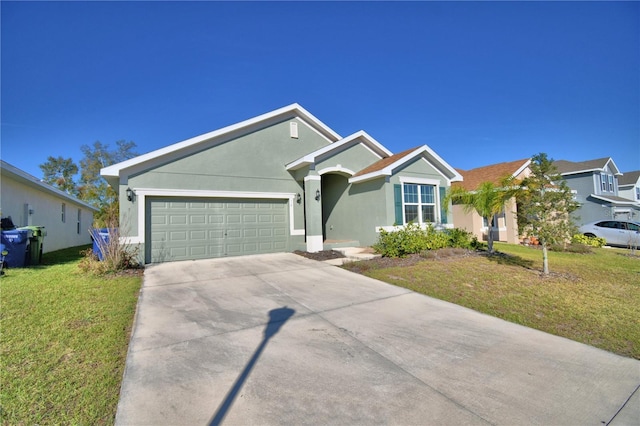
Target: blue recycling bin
x: 100, y: 239
x: 16, y: 241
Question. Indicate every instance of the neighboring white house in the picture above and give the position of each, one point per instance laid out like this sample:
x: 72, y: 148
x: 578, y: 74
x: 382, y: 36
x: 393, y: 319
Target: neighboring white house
x: 28, y: 201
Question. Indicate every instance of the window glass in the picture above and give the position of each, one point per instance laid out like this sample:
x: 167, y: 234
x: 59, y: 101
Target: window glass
x: 428, y: 213
x: 411, y: 213
x: 603, y: 179
x: 611, y: 189
x: 633, y: 227
x: 606, y: 224
x: 427, y: 194
x: 637, y: 192
x: 64, y: 212
x: 410, y: 193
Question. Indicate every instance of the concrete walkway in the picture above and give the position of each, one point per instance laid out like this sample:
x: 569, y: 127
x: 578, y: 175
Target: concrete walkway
x: 280, y: 339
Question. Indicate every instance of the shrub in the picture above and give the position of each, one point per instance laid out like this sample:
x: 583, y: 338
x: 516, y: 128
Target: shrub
x: 459, y: 238
x: 412, y: 239
x: 116, y: 256
x: 588, y: 241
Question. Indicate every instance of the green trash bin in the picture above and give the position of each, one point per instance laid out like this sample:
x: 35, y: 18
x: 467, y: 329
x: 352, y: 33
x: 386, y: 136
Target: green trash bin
x: 36, y: 243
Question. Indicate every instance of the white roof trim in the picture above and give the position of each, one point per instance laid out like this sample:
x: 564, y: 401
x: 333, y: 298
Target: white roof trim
x: 521, y: 169
x: 294, y: 110
x: 609, y: 200
x: 35, y: 182
x: 424, y: 149
x: 376, y: 147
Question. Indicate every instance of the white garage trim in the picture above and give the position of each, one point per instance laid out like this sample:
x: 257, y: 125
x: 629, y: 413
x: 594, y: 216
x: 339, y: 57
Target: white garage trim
x: 142, y: 193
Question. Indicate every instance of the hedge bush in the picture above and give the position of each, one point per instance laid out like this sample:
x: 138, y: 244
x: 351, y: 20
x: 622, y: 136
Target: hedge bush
x: 412, y: 239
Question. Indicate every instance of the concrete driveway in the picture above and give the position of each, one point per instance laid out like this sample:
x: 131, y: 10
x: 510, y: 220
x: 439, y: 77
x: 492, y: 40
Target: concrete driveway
x: 280, y: 339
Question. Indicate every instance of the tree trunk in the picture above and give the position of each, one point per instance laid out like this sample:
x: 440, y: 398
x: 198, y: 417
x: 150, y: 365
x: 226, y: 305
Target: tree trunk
x: 490, y: 234
x: 545, y: 259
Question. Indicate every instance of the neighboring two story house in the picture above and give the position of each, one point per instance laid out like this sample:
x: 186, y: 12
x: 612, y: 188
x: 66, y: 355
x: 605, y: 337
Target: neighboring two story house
x: 505, y: 224
x: 596, y: 187
x: 629, y: 186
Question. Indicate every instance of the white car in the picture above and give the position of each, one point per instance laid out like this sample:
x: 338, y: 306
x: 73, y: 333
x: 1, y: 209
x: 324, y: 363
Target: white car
x: 621, y: 233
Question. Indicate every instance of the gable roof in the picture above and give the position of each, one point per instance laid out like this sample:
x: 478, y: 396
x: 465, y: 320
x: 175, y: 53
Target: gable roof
x: 114, y: 172
x: 629, y: 178
x: 29, y: 180
x: 386, y: 166
x: 565, y: 167
x: 345, y: 143
x: 493, y: 173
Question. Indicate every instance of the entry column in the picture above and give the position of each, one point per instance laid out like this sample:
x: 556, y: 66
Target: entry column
x: 313, y: 213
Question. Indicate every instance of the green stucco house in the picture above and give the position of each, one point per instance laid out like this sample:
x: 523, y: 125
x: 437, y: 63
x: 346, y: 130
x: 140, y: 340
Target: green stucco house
x: 282, y: 181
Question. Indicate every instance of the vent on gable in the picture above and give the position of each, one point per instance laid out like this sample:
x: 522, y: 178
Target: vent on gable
x: 293, y: 129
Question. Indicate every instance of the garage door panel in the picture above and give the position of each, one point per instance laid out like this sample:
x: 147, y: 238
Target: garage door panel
x: 199, y: 229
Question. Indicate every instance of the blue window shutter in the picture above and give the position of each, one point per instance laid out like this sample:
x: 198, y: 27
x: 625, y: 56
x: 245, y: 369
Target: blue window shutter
x: 443, y: 212
x: 397, y: 198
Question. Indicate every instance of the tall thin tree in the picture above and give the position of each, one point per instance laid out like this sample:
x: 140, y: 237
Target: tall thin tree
x: 545, y: 206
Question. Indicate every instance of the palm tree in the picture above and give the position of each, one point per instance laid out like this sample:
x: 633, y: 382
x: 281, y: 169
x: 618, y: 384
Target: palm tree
x: 488, y: 200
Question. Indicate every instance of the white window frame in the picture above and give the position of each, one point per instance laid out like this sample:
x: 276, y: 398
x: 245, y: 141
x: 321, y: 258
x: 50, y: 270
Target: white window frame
x: 611, y: 186
x: 637, y: 193
x: 78, y: 225
x: 436, y: 196
x: 603, y: 182
x: 64, y: 213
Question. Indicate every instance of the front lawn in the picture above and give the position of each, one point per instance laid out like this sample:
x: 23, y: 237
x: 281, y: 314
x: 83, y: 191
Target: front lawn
x: 591, y: 298
x: 64, y: 342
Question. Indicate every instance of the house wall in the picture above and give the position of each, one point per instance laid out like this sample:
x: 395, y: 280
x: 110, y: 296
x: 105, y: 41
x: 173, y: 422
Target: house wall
x: 354, y: 158
x: 629, y: 192
x: 258, y: 167
x: 506, y: 229
x: 353, y: 211
x: 47, y: 212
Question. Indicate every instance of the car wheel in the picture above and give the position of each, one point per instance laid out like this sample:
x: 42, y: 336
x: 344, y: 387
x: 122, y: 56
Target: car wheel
x: 590, y: 235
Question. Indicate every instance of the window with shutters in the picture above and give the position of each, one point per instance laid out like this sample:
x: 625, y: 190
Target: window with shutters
x: 419, y: 203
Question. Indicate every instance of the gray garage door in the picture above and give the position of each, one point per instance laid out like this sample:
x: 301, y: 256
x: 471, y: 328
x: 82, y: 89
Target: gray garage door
x: 185, y: 229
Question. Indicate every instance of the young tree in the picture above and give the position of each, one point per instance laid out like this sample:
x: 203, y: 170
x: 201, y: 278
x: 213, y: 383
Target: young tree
x: 488, y: 200
x: 59, y: 172
x: 545, y: 206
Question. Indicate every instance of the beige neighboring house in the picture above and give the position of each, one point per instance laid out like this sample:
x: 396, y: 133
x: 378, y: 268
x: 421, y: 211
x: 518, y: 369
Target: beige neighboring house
x: 28, y: 201
x: 505, y: 224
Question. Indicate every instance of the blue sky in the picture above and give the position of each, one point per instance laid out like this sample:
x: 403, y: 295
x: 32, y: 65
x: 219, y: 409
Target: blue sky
x: 479, y: 82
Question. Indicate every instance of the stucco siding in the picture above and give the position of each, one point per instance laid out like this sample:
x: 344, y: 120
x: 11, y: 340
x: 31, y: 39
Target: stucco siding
x: 355, y: 158
x: 46, y: 211
x: 353, y: 211
x: 250, y: 163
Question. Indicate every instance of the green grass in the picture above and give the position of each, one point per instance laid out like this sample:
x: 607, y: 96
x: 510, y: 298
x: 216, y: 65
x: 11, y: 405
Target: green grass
x: 64, y: 342
x: 591, y: 298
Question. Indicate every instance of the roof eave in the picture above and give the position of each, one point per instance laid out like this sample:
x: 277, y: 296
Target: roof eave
x: 116, y: 170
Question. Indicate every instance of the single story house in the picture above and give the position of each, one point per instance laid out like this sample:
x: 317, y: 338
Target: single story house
x: 505, y: 224
x: 28, y: 201
x: 281, y: 181
x: 595, y: 183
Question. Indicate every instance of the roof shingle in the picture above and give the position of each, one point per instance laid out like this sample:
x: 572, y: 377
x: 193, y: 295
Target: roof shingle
x: 493, y: 173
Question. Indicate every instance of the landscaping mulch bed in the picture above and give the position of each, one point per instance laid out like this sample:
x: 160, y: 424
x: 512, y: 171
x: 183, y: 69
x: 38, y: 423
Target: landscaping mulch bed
x: 320, y: 255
